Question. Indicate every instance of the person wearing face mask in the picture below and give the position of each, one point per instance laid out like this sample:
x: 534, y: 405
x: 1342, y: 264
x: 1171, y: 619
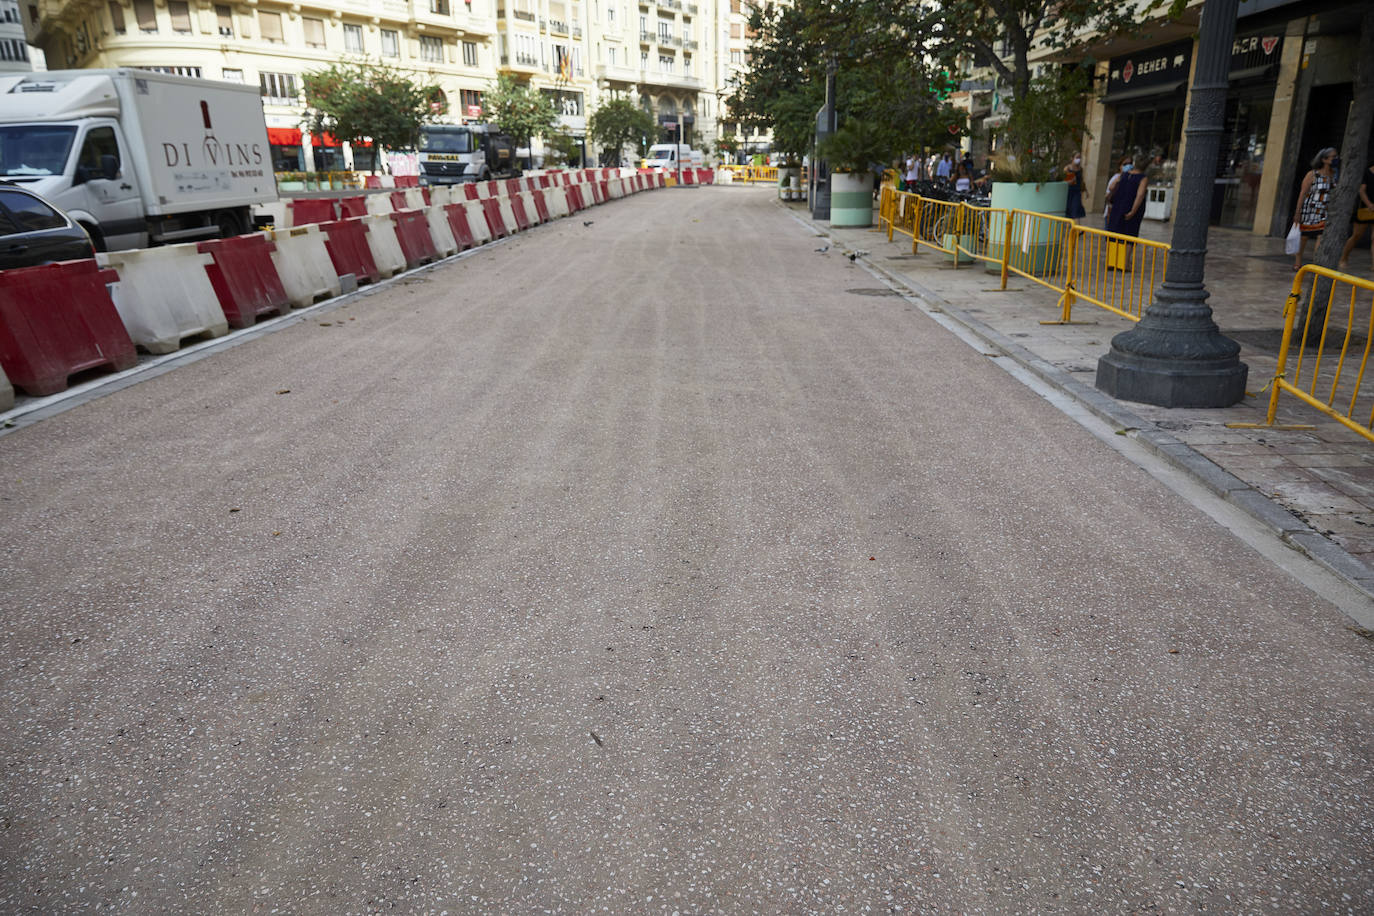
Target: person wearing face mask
x: 1310, y: 216
x: 1126, y: 199
x: 1073, y: 174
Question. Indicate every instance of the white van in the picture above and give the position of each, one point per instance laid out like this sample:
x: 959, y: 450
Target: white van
x: 668, y: 155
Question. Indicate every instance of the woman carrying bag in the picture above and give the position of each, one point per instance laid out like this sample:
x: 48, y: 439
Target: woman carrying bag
x: 1310, y: 216
x: 1364, y: 215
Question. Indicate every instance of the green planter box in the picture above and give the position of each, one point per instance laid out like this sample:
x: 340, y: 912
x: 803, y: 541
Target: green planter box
x: 1037, y: 248
x: 851, y: 199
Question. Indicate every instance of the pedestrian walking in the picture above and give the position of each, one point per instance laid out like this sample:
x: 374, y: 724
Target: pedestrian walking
x: 1364, y: 215
x: 1310, y: 215
x: 1126, y: 198
x: 1073, y: 174
x: 945, y: 169
x: 912, y: 171
x: 963, y: 179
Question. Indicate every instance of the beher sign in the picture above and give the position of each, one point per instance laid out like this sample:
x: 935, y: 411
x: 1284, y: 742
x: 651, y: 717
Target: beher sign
x: 1159, y: 66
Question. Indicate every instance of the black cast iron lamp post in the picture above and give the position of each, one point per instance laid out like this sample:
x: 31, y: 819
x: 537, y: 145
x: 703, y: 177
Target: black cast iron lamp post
x: 1175, y: 356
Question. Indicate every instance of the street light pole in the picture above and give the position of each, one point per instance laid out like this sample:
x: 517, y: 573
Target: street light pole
x: 1176, y: 356
x: 820, y: 178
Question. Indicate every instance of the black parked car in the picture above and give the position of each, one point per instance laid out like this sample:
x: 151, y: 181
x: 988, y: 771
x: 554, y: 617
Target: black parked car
x: 33, y: 231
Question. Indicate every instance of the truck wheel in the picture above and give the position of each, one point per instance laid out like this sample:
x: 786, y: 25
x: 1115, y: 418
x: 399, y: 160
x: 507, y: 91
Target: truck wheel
x: 97, y: 239
x: 228, y: 223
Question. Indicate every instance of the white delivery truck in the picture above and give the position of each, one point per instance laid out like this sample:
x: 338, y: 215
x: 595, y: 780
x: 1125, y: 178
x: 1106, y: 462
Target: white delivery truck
x: 138, y: 158
x: 668, y: 155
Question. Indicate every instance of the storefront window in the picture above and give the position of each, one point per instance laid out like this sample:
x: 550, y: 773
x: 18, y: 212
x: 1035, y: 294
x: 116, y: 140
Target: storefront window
x: 287, y: 158
x: 1236, y: 192
x: 1151, y: 133
x: 329, y: 158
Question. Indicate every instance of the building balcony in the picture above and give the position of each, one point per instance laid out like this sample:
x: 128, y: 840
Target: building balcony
x: 520, y: 63
x: 577, y: 31
x: 558, y: 27
x: 670, y: 4
x: 617, y: 74
x: 647, y: 38
x: 691, y: 9
x: 691, y: 44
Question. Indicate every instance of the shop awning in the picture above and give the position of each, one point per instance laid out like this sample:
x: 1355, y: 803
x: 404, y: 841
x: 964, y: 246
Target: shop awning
x: 284, y: 136
x: 1145, y: 92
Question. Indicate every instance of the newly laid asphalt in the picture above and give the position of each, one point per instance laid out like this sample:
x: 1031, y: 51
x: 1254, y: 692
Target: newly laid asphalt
x: 655, y: 565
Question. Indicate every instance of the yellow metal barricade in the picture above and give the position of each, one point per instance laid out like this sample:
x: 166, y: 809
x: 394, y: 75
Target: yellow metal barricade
x: 1338, y: 323
x: 1037, y: 248
x: 1116, y: 272
x: 983, y: 233
x: 935, y: 225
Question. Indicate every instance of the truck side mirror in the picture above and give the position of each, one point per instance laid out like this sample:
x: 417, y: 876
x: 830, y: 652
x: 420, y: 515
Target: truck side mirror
x: 109, y: 167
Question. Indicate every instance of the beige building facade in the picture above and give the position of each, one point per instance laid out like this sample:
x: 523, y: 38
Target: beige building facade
x: 673, y: 57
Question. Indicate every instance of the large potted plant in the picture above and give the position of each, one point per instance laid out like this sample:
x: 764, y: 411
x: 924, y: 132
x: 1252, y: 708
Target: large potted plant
x: 1042, y: 129
x: 850, y: 153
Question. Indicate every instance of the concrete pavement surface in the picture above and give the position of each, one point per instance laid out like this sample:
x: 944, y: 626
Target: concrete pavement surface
x: 658, y: 565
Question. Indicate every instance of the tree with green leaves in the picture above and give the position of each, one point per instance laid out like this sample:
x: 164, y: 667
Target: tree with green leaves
x: 363, y: 100
x: 520, y: 110
x: 618, y: 123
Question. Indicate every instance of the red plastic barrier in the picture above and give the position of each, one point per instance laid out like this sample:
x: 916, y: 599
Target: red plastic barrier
x: 708, y: 176
x: 412, y: 231
x: 517, y: 207
x: 491, y: 207
x: 306, y: 210
x: 398, y: 200
x: 604, y: 186
x: 544, y: 182
x: 57, y: 319
x: 510, y: 187
x: 346, y: 242
x: 457, y: 216
x: 352, y: 206
x: 372, y: 181
x: 407, y: 181
x: 424, y: 192
x: 470, y: 190
x: 245, y: 279
x: 575, y: 198
x: 540, y: 205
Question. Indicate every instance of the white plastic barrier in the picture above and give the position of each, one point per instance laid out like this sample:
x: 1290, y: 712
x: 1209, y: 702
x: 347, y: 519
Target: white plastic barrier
x: 440, y: 195
x: 508, y: 214
x: 556, y: 199
x: 379, y: 204
x: 415, y: 198
x: 164, y: 294
x: 6, y: 392
x: 616, y: 188
x: 526, y: 205
x: 440, y: 231
x: 385, y: 246
x: 276, y: 209
x: 303, y: 262
x: 477, y: 222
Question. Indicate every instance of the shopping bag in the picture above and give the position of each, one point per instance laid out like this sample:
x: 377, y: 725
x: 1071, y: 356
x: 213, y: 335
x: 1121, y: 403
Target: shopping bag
x: 1293, y: 242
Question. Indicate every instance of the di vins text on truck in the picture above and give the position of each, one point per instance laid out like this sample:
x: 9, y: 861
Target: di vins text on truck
x: 138, y: 158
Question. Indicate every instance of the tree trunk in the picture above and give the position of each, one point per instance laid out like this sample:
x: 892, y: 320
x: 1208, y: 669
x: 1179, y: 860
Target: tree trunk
x: 1341, y: 203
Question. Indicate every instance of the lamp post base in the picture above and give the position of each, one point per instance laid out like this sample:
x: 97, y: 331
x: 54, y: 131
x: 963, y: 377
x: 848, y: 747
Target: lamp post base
x: 1174, y: 357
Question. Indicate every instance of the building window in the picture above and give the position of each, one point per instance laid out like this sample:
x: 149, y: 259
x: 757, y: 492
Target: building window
x: 175, y: 71
x: 116, y: 16
x: 665, y: 29
x: 686, y: 65
x: 736, y: 56
x: 224, y: 19
x: 610, y: 16
x: 146, y: 15
x: 231, y: 76
x: 314, y: 32
x: 432, y: 49
x: 180, y: 11
x: 270, y: 26
x: 13, y: 49
x: 644, y: 60
x: 472, y: 103
x: 470, y: 53
x: 439, y: 6
x: 610, y: 56
x: 665, y: 63
x: 353, y: 39
x: 279, y: 88
x: 391, y: 43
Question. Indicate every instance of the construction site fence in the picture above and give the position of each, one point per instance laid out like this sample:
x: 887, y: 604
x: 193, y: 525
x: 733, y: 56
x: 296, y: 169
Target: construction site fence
x: 1112, y: 271
x: 1328, y: 329
x: 748, y: 173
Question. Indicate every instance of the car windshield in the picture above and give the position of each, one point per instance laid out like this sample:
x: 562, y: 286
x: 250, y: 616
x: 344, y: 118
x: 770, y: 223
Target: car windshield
x: 29, y: 150
x: 458, y: 140
x: 661, y: 154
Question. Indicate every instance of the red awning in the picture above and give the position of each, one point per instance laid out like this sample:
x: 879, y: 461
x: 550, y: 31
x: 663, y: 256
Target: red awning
x: 324, y: 139
x: 283, y: 136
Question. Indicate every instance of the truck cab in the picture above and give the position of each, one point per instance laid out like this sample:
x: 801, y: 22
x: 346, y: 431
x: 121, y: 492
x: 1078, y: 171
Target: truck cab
x: 669, y: 156
x: 458, y: 153
x: 82, y: 167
